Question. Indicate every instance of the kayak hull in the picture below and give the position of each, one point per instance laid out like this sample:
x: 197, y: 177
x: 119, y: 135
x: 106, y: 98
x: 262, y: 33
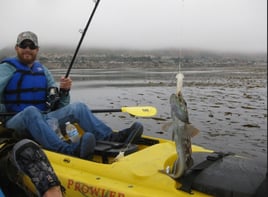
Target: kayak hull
x: 137, y: 174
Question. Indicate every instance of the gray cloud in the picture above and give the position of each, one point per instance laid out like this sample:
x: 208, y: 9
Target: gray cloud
x: 228, y: 25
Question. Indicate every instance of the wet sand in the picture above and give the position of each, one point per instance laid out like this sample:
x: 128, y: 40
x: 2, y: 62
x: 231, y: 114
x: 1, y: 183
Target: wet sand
x: 227, y: 104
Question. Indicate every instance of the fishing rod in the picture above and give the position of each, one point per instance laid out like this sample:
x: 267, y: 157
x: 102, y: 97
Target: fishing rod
x: 81, y: 39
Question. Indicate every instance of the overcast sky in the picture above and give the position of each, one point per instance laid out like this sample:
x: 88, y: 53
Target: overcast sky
x: 226, y: 25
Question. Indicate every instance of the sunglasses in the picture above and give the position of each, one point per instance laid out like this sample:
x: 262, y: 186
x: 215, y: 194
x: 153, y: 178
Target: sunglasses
x: 25, y: 45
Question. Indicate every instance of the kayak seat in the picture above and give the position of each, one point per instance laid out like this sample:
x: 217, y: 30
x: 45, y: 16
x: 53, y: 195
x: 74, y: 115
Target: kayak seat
x: 108, y: 149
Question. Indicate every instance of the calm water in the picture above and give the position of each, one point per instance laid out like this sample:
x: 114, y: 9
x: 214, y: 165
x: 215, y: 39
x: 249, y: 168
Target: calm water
x: 228, y: 105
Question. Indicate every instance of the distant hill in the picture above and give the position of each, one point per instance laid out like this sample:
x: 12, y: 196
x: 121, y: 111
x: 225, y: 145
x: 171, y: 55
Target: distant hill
x: 60, y: 57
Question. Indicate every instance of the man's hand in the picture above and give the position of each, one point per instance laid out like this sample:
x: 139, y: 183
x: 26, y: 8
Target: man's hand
x: 65, y: 83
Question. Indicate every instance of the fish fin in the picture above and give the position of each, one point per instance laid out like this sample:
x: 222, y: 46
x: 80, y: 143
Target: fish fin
x: 166, y: 126
x: 191, y: 130
x: 172, y: 99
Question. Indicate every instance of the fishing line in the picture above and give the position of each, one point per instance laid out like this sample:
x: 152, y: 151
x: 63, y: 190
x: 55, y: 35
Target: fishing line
x: 181, y: 37
x: 180, y: 55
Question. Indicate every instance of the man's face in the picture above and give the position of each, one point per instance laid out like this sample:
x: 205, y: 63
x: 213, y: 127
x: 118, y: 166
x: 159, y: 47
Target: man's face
x: 27, y: 52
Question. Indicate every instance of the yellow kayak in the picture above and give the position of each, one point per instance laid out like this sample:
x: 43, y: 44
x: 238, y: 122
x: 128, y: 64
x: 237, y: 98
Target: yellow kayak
x: 138, y: 172
x: 142, y: 170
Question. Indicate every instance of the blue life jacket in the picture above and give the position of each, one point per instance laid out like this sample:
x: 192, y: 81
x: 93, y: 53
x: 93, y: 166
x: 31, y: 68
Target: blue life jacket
x: 27, y: 87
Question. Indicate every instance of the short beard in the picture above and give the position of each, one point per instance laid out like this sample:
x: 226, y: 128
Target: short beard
x: 26, y: 61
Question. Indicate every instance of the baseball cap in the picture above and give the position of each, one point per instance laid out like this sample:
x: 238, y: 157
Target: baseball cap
x: 27, y: 35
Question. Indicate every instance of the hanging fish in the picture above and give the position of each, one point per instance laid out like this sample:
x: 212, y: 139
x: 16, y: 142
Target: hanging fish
x: 182, y: 131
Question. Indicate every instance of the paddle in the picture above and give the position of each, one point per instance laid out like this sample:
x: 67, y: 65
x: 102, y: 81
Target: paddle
x: 141, y: 111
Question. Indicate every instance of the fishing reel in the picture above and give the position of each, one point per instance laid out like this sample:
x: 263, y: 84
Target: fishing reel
x: 53, y: 97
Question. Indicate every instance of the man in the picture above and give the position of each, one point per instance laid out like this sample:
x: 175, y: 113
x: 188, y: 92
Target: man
x: 23, y: 89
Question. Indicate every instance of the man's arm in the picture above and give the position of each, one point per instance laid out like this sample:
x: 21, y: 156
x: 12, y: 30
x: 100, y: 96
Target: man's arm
x: 64, y: 98
x: 6, y: 72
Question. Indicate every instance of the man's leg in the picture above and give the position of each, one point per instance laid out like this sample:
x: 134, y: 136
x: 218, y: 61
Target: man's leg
x: 27, y: 159
x: 33, y: 123
x: 53, y: 192
x: 79, y: 112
